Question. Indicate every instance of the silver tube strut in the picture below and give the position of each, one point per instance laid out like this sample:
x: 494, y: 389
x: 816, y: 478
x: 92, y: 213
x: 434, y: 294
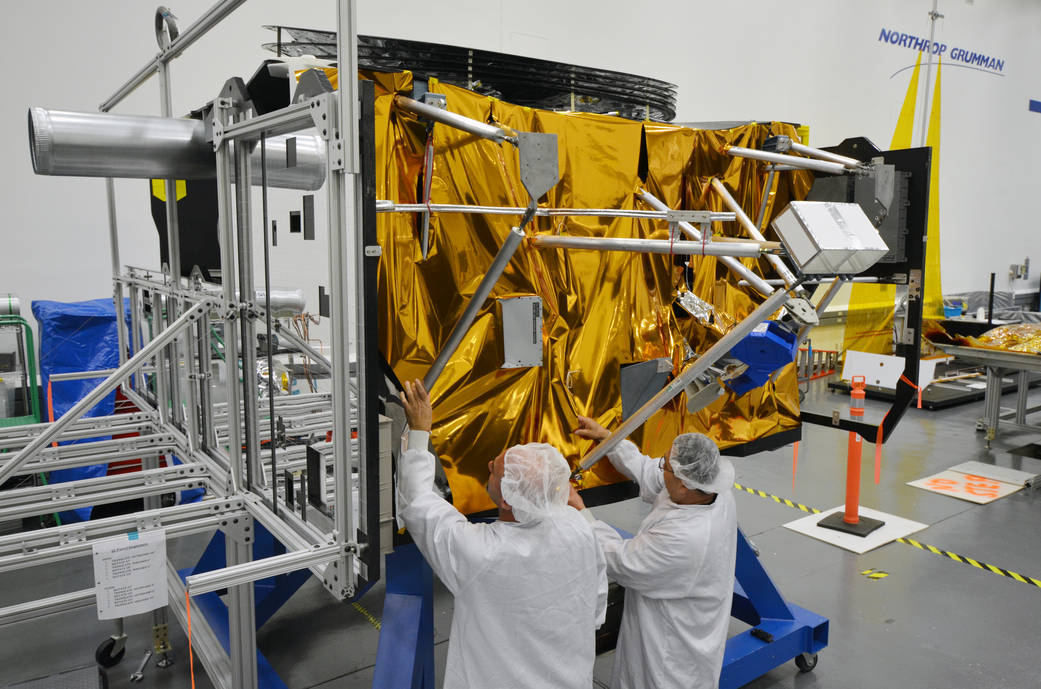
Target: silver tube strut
x: 495, y: 270
x: 733, y: 264
x: 714, y: 354
x: 435, y: 114
x: 753, y: 231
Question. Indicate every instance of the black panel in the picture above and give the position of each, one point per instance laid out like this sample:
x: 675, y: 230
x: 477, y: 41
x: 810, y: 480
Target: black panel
x: 291, y: 152
x: 514, y: 78
x: 315, y: 477
x: 764, y: 444
x: 640, y: 382
x: 324, y: 305
x: 308, y: 216
x: 268, y: 93
x: 196, y: 225
x: 370, y: 317
x: 915, y: 164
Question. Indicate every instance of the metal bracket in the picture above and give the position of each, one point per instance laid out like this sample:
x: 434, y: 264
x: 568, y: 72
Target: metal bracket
x: 438, y: 100
x: 914, y: 284
x: 238, y: 528
x: 161, y: 638
x: 324, y: 114
x: 538, y: 163
x: 62, y: 492
x: 678, y: 216
x: 311, y: 84
x: 229, y: 310
x: 148, y: 523
x: 77, y: 535
x: 216, y: 125
x: 801, y: 310
x: 331, y: 578
x: 374, y: 250
x: 234, y: 97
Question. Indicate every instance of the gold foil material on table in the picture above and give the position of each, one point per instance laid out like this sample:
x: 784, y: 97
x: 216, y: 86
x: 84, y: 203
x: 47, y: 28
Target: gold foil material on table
x: 1022, y: 337
x: 1018, y: 337
x: 601, y: 310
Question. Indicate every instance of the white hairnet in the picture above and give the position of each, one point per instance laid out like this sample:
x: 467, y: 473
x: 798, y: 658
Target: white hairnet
x: 535, y: 480
x: 697, y: 464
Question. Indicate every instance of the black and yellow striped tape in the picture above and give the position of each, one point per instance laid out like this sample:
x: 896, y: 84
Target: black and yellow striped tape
x: 969, y: 561
x: 906, y: 541
x: 367, y: 615
x: 777, y: 499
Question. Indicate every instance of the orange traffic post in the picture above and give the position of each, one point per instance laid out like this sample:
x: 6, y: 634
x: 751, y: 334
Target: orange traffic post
x: 853, y: 451
x: 849, y: 520
x: 852, y: 480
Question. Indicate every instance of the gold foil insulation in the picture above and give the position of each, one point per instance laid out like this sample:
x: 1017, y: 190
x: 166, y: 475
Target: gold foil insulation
x: 1019, y: 337
x: 601, y: 310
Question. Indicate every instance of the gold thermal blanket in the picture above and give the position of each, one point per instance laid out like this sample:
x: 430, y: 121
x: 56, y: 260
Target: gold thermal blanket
x: 600, y: 309
x: 1018, y: 337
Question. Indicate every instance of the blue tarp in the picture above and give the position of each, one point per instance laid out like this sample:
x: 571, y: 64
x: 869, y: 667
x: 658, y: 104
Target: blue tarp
x: 80, y: 336
x: 77, y: 336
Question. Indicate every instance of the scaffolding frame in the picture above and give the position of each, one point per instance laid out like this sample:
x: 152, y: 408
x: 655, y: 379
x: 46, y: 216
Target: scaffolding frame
x: 166, y: 371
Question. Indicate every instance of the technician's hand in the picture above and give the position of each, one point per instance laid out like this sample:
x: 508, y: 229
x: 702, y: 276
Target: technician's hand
x: 587, y: 428
x: 417, y: 406
x: 575, y: 500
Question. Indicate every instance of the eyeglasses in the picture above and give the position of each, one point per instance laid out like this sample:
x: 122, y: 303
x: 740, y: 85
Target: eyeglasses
x: 663, y: 465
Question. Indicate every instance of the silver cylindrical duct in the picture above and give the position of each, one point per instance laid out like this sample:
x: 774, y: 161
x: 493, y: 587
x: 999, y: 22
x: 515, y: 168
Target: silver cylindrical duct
x: 284, y: 302
x: 80, y: 144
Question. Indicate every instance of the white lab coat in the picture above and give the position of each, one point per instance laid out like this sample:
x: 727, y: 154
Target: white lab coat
x: 678, y: 574
x: 528, y: 597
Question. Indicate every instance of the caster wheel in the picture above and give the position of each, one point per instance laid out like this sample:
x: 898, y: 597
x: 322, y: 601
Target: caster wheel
x: 104, y: 655
x: 806, y: 662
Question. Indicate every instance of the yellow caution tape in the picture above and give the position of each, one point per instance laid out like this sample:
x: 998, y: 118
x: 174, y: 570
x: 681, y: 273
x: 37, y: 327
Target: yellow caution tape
x: 906, y: 541
x: 372, y: 619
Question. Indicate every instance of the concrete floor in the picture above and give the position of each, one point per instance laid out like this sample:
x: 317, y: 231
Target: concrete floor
x: 932, y: 622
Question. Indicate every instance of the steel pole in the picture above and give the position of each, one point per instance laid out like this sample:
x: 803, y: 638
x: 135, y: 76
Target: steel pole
x: 782, y: 159
x: 651, y: 246
x: 502, y: 259
x: 197, y: 30
x: 933, y: 16
x: 117, y: 296
x: 173, y: 252
x: 231, y: 305
x: 751, y: 229
x: 466, y: 124
x: 247, y: 325
x: 735, y: 266
x: 845, y: 161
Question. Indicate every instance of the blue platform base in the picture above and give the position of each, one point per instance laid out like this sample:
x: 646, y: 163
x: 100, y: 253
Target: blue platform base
x: 269, y: 595
x: 405, y: 655
x: 780, y: 630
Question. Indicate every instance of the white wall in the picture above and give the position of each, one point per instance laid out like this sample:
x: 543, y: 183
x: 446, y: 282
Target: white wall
x: 818, y: 62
